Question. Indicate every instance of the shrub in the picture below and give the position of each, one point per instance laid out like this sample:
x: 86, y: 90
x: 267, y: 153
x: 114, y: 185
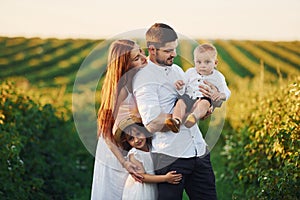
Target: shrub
x: 263, y: 157
x: 40, y: 155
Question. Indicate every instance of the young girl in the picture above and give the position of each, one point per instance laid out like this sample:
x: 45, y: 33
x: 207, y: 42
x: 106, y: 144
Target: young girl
x: 134, y: 137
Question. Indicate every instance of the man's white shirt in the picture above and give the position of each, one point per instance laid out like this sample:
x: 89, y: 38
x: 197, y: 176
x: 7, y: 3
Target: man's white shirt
x: 155, y: 93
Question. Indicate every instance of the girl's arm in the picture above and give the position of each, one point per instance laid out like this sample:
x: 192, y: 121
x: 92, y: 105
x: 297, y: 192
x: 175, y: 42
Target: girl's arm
x: 171, y: 177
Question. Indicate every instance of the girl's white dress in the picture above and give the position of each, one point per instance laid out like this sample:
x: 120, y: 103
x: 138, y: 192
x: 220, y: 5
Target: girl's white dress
x: 134, y: 190
x: 109, y: 175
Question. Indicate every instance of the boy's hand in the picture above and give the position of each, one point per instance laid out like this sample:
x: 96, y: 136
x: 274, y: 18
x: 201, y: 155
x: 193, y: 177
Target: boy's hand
x: 179, y: 84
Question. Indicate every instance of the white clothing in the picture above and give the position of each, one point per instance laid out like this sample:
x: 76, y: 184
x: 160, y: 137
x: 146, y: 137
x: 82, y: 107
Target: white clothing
x: 127, y: 108
x: 193, y: 79
x: 109, y: 175
x: 153, y: 87
x: 134, y: 190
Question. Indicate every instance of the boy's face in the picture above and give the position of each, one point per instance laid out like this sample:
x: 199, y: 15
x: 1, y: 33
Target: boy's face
x: 205, y: 62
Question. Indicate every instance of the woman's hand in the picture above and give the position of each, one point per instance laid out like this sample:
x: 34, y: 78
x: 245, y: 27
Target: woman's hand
x: 132, y: 170
x: 173, y: 178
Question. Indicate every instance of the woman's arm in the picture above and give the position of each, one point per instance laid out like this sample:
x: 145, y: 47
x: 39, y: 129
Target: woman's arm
x: 122, y: 96
x: 129, y: 166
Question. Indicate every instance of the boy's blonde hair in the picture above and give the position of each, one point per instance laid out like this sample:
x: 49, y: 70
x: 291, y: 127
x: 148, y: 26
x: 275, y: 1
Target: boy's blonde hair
x: 204, y: 48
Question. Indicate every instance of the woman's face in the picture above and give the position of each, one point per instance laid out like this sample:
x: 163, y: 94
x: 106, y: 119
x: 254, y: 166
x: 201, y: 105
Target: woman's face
x: 137, y: 57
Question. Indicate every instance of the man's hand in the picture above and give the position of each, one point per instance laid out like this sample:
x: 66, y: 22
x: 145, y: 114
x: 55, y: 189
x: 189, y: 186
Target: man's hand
x: 208, y: 90
x: 218, y: 96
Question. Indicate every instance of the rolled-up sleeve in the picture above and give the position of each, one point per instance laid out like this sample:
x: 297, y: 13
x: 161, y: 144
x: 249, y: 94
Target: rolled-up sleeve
x: 147, y: 101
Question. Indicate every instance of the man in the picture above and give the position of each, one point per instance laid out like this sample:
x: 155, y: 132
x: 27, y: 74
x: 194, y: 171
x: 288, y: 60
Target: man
x: 185, y: 151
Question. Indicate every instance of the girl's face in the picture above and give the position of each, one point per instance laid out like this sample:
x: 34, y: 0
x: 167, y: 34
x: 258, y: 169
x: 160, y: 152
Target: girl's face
x: 137, y: 139
x: 205, y: 63
x: 137, y: 57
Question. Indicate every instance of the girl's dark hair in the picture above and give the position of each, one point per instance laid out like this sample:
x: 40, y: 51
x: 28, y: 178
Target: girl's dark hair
x: 123, y: 141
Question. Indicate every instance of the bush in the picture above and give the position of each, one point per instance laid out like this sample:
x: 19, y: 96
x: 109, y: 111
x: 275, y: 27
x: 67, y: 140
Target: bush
x: 40, y: 155
x: 263, y: 158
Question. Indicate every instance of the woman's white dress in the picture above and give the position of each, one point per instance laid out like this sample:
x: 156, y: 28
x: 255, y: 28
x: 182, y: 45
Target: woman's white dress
x: 134, y: 190
x: 109, y: 175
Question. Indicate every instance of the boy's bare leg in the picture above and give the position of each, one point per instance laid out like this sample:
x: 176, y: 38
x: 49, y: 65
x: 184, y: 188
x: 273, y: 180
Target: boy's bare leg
x: 179, y: 110
x: 199, y: 110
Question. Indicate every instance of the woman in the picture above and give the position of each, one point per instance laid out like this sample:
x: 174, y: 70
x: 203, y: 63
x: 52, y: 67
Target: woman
x: 111, y: 169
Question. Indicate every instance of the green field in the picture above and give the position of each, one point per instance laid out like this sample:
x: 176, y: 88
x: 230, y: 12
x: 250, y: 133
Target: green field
x: 48, y: 68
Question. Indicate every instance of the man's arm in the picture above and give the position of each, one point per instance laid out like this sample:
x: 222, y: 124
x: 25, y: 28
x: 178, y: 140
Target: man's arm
x: 149, y: 107
x: 158, y: 124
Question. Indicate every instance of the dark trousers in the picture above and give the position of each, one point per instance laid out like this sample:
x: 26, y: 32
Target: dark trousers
x: 198, y: 179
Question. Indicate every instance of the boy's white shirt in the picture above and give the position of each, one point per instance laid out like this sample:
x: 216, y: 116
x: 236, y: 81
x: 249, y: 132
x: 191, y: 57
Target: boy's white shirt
x: 193, y: 79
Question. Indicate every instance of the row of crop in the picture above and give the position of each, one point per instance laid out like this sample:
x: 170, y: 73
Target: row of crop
x: 27, y: 45
x: 252, y: 66
x: 7, y: 42
x: 46, y: 61
x: 66, y: 62
x: 58, y: 60
x: 278, y: 52
x: 290, y: 46
x: 284, y: 68
x: 31, y: 55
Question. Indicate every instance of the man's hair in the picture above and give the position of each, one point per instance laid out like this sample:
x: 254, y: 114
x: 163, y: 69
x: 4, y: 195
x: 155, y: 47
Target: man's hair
x: 159, y: 34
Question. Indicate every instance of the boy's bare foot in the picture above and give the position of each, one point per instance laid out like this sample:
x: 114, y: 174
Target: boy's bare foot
x: 190, y: 120
x: 173, y: 124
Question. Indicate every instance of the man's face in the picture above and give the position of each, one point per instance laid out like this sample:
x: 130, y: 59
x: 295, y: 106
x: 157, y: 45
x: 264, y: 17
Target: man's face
x: 165, y: 55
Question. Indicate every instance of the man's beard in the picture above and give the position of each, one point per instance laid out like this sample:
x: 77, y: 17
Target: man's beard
x: 165, y: 62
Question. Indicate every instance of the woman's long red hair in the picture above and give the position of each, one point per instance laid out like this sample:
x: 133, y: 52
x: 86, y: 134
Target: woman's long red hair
x: 117, y: 65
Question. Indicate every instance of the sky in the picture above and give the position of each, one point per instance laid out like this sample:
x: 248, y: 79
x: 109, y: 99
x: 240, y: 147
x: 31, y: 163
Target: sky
x: 197, y: 19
